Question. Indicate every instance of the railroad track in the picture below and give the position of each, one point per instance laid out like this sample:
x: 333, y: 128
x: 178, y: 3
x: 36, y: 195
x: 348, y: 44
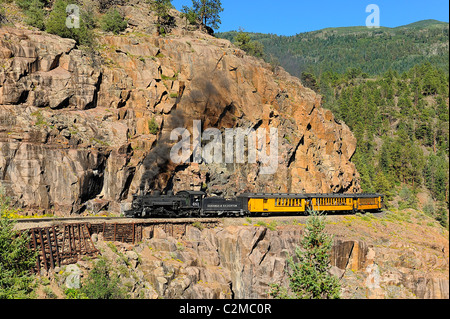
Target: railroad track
x: 23, y: 223
x: 70, y: 219
x: 156, y: 219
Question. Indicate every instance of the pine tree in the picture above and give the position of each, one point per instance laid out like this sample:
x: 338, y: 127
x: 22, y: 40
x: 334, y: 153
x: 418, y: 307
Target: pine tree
x: 16, y: 259
x: 189, y: 14
x: 208, y: 12
x: 309, y: 278
x: 162, y: 11
x: 244, y: 42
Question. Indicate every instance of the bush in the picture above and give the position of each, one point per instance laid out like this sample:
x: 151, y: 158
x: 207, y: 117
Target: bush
x: 114, y: 22
x: 56, y: 24
x: 24, y: 4
x: 88, y: 15
x: 2, y: 16
x: 101, y: 284
x: 35, y: 14
x: 72, y: 293
x: 153, y: 127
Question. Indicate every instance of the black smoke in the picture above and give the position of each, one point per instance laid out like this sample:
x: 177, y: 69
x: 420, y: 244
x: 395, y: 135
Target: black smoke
x: 158, y: 160
x: 212, y: 103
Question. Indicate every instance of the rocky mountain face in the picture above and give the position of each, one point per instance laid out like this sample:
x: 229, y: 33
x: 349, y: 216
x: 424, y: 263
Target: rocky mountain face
x: 242, y: 261
x: 83, y: 130
x: 373, y: 257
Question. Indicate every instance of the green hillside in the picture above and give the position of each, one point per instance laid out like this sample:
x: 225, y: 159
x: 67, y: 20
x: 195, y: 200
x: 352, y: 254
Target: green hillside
x: 374, y: 51
x: 401, y: 122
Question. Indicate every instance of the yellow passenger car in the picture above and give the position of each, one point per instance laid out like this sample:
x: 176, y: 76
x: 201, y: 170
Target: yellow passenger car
x: 368, y: 202
x: 331, y: 202
x: 263, y: 204
x: 345, y: 202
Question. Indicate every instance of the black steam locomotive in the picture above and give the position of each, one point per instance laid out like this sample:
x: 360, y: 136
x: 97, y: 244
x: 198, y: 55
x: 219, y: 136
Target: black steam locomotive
x: 183, y: 204
x: 196, y: 204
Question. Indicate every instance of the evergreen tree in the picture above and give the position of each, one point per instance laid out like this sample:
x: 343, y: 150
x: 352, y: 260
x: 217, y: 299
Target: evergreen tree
x: 162, y: 11
x: 309, y: 278
x: 208, y: 12
x: 16, y: 259
x: 244, y: 42
x: 189, y: 14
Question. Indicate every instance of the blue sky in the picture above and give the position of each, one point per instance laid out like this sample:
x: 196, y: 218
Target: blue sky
x: 289, y: 17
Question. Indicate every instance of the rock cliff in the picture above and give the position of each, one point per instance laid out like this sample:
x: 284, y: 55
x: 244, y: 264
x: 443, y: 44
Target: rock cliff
x: 242, y: 261
x: 402, y: 255
x: 83, y: 130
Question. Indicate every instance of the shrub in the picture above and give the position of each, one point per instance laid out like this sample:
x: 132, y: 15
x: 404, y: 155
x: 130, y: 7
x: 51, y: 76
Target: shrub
x: 153, y: 127
x: 88, y: 15
x: 24, y: 4
x: 3, y: 19
x: 56, y: 24
x: 408, y: 199
x: 114, y: 22
x: 35, y: 14
x: 101, y: 284
x: 72, y: 293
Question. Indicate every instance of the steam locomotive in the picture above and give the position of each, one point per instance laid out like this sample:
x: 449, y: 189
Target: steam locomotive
x: 197, y: 204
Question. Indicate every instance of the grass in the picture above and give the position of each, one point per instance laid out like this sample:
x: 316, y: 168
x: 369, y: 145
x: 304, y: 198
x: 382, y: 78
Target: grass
x: 271, y: 226
x: 168, y: 78
x: 198, y: 225
x: 98, y: 141
x: 39, y: 118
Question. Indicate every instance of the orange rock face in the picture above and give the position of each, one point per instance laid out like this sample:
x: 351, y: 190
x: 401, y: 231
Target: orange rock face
x: 104, y: 120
